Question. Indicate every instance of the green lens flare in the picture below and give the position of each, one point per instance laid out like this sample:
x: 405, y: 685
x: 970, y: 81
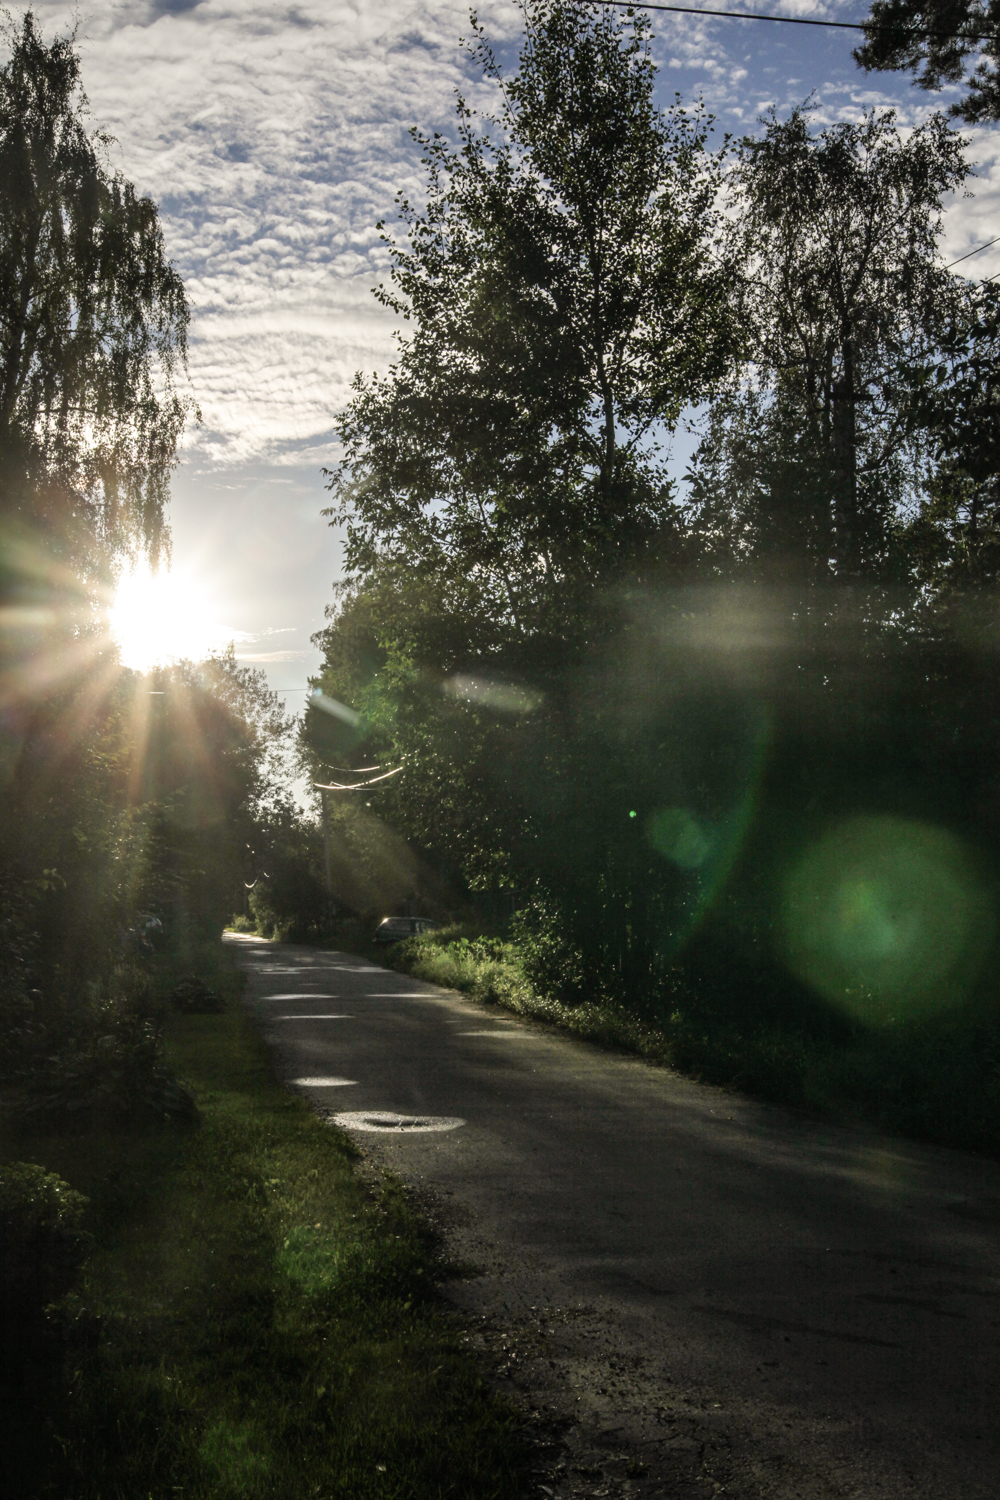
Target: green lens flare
x: 677, y: 834
x: 886, y: 916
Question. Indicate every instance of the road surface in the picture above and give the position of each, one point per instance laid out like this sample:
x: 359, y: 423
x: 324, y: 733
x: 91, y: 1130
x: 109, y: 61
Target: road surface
x: 724, y: 1297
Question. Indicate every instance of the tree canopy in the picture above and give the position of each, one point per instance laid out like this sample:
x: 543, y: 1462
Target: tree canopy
x: 941, y: 42
x: 812, y: 459
x: 93, y: 324
x: 563, y: 303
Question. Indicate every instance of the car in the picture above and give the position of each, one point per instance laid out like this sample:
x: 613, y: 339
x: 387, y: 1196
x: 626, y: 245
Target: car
x: 396, y: 929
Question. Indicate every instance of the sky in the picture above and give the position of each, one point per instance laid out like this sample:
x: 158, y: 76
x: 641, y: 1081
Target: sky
x: 273, y: 138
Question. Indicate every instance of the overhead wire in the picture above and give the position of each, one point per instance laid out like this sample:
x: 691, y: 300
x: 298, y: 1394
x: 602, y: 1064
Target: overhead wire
x: 863, y: 26
x: 970, y: 253
x: 358, y: 786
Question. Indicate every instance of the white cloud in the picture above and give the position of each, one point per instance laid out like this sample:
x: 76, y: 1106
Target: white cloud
x: 275, y: 136
x: 263, y: 657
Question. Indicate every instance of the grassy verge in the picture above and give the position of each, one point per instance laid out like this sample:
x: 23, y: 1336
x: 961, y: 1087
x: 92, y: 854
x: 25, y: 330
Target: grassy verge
x: 254, y: 1320
x: 936, y: 1080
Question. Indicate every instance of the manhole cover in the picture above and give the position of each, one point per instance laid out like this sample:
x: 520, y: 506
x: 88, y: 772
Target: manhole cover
x: 386, y: 1121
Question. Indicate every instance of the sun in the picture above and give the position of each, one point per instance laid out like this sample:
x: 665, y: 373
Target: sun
x: 163, y: 617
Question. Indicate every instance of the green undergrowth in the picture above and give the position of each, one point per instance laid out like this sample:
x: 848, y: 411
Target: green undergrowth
x: 253, y: 1319
x: 937, y: 1079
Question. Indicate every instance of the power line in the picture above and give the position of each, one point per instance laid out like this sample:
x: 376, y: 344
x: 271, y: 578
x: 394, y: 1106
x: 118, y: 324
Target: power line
x: 358, y: 786
x: 863, y: 26
x: 977, y: 251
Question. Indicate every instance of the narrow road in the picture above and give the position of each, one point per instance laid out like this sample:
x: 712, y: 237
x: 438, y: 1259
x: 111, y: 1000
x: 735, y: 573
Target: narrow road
x: 725, y: 1297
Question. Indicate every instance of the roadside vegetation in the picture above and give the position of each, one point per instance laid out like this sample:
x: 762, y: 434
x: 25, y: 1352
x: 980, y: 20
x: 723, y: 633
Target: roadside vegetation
x: 729, y: 744
x: 728, y: 747
x: 251, y: 1317
x: 199, y: 1294
x: 936, y: 1079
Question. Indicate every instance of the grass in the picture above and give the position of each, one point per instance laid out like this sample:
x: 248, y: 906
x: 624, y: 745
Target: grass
x: 934, y: 1079
x: 254, y: 1319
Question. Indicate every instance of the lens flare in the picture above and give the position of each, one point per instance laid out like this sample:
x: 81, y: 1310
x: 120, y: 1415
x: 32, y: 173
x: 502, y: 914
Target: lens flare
x: 702, y: 837
x: 678, y: 835
x: 886, y: 916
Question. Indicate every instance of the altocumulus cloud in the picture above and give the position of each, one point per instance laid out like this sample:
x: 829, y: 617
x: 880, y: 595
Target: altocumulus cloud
x: 274, y: 137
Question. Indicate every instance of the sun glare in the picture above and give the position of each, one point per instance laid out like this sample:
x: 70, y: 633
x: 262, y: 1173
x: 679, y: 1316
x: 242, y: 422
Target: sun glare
x: 163, y: 617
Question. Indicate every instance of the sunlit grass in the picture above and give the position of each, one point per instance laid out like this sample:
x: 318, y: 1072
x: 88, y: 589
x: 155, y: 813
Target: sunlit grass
x: 254, y: 1320
x: 933, y: 1077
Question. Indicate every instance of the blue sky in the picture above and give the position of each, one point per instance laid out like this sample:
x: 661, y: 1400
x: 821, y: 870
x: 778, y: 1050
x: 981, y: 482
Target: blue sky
x: 273, y: 138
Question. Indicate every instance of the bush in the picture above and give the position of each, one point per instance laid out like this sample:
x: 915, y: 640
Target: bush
x: 193, y: 997
x: 107, y: 1066
x: 42, y: 1245
x: 551, y: 963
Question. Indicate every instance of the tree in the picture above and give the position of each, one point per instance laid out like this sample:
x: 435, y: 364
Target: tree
x: 93, y: 325
x: 837, y: 231
x: 941, y: 42
x: 955, y: 405
x: 564, y: 304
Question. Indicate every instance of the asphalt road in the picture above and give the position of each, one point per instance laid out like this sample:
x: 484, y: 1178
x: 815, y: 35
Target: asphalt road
x: 725, y: 1297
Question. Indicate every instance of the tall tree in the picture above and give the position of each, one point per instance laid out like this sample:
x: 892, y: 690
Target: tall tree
x: 941, y: 42
x: 563, y: 305
x: 955, y: 406
x: 837, y: 230
x: 93, y: 324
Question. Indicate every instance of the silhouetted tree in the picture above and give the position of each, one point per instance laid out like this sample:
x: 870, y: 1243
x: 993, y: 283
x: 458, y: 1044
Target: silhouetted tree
x: 941, y: 42
x: 813, y: 457
x: 93, y: 326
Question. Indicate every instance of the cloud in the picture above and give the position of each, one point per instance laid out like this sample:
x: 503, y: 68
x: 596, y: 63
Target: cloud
x: 275, y: 137
x: 271, y: 656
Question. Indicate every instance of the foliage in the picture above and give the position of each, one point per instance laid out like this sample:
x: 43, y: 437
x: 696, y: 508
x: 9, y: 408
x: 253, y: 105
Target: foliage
x: 104, y: 1064
x: 808, y: 467
x: 254, y: 1319
x: 122, y: 806
x: 113, y: 797
x: 955, y: 403
x: 93, y: 326
x: 564, y: 303
x: 937, y: 40
x: 42, y: 1246
x: 193, y: 997
x: 504, y: 487
x: 604, y: 748
x: 288, y: 898
x: 937, y: 1079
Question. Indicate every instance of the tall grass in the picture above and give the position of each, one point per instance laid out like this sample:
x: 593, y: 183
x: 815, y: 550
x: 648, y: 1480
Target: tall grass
x: 254, y: 1321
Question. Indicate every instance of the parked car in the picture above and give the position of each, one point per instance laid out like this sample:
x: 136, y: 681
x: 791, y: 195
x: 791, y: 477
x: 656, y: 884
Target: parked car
x: 395, y: 929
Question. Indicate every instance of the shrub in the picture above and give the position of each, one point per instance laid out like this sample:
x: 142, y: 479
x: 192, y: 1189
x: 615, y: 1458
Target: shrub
x: 551, y: 963
x: 193, y: 997
x: 42, y: 1245
x: 106, y: 1067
